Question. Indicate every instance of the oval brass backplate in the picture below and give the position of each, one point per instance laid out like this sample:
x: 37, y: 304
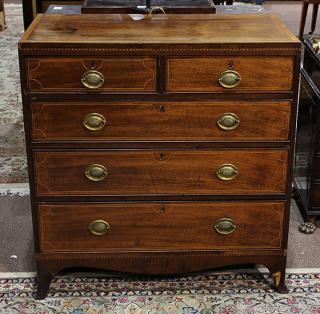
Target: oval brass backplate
x: 96, y: 172
x: 99, y: 227
x: 229, y: 79
x: 92, y: 79
x: 228, y: 121
x: 227, y: 172
x: 225, y: 226
x: 94, y: 121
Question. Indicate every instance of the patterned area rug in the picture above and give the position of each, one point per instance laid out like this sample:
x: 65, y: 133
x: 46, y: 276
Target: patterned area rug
x: 13, y: 166
x: 224, y: 293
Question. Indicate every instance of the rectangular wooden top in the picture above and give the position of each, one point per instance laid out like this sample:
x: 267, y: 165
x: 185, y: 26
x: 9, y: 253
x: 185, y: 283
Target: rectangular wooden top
x: 104, y: 29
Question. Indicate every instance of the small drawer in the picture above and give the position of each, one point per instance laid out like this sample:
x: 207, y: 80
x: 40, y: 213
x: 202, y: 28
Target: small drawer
x: 62, y: 74
x: 134, y: 172
x: 229, y: 74
x: 174, y: 121
x: 172, y: 226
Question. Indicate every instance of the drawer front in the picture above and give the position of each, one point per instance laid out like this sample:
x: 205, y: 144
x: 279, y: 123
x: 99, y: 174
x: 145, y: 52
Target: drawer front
x: 215, y: 121
x: 180, y: 226
x: 202, y: 75
x: 79, y: 74
x: 121, y: 172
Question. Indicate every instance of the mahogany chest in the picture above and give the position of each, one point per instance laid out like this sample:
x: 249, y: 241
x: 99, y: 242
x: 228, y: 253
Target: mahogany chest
x: 159, y: 144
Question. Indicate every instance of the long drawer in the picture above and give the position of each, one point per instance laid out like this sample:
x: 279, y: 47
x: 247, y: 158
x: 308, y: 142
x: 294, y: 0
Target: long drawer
x: 207, y: 74
x: 162, y: 121
x: 137, y: 172
x: 173, y: 226
x: 68, y: 74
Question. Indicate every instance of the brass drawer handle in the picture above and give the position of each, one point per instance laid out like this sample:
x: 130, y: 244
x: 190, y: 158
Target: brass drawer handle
x: 227, y: 172
x: 229, y: 79
x: 99, y: 227
x: 228, y: 121
x: 94, y: 121
x: 96, y: 172
x: 225, y: 226
x: 92, y: 79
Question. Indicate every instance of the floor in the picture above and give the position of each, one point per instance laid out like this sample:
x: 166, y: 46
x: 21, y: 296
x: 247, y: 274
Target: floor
x: 15, y: 220
x: 290, y: 12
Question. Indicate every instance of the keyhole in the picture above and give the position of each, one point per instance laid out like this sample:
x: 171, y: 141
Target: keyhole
x: 162, y: 108
x: 162, y: 210
x: 93, y: 65
x: 162, y: 156
x: 230, y: 65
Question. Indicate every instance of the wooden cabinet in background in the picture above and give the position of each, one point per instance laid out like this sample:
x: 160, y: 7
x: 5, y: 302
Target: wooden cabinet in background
x: 307, y: 161
x: 2, y: 17
x: 159, y: 146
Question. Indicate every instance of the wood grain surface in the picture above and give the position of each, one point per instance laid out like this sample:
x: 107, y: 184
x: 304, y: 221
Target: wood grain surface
x: 191, y: 29
x: 162, y: 121
x: 173, y: 226
x: 261, y: 171
x: 202, y: 74
x: 64, y: 74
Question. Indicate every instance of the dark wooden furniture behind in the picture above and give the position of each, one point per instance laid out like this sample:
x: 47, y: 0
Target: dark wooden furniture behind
x: 156, y: 6
x: 305, y: 6
x: 2, y: 17
x: 162, y: 145
x: 307, y: 163
x: 32, y: 7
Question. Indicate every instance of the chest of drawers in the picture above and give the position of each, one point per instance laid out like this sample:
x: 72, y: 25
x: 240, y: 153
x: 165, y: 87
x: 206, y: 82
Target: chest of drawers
x: 159, y: 144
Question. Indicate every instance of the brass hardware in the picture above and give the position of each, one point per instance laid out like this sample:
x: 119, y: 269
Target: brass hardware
x: 227, y: 172
x: 162, y: 108
x: 229, y: 79
x: 94, y: 121
x: 96, y: 172
x: 99, y: 227
x: 162, y: 210
x: 228, y: 121
x: 225, y: 226
x: 92, y: 79
x: 153, y: 9
x: 316, y: 44
x: 276, y: 277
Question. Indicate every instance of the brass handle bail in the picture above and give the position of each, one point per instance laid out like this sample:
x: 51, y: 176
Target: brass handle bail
x: 225, y: 226
x: 228, y: 121
x: 94, y: 121
x: 92, y: 79
x: 99, y: 227
x: 227, y: 172
x: 229, y: 79
x: 157, y: 9
x: 96, y: 172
